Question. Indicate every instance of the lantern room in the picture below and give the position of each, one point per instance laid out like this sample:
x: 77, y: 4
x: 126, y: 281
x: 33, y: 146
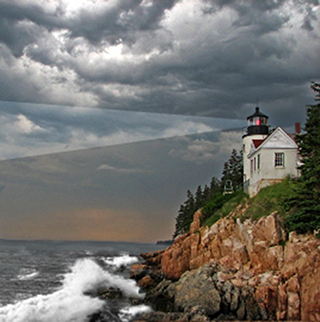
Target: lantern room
x: 257, y: 123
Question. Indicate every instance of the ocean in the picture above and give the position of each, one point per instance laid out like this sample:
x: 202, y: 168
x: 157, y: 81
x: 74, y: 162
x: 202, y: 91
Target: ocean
x: 51, y: 281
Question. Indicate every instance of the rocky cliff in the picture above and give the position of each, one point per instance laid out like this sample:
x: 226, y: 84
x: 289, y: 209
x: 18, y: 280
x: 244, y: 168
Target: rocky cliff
x: 243, y: 270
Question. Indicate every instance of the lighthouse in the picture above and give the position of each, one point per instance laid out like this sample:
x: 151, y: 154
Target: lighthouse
x: 257, y: 130
x: 268, y: 155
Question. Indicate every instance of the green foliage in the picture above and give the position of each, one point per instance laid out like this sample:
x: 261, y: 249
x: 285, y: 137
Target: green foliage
x: 221, y: 206
x: 237, y: 197
x: 185, y: 215
x: 211, y: 195
x: 268, y: 200
x: 215, y: 204
x: 306, y: 217
x: 192, y: 204
x: 233, y: 170
x: 271, y: 199
x: 211, y: 220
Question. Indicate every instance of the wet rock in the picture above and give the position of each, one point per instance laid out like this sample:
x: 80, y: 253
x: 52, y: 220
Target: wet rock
x: 196, y: 288
x: 161, y: 317
x: 161, y: 297
x: 109, y: 293
x: 195, y: 315
x: 153, y: 259
x: 104, y: 316
x: 255, y: 272
x: 145, y: 282
x: 138, y: 271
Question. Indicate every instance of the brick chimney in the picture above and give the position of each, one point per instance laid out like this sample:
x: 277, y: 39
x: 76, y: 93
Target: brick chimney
x: 298, y: 127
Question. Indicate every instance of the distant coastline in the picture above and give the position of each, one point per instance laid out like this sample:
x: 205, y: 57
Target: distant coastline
x: 165, y: 242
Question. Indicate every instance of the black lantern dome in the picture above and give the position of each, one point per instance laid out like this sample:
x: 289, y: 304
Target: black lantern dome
x: 257, y: 123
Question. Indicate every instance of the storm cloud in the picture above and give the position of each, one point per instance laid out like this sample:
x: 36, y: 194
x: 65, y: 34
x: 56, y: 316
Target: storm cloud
x: 110, y: 110
x: 199, y: 57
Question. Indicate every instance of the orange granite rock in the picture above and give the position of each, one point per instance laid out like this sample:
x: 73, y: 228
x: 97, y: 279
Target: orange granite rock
x: 284, y: 273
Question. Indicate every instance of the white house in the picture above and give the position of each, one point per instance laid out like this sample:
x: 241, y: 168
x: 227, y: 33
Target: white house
x: 268, y: 155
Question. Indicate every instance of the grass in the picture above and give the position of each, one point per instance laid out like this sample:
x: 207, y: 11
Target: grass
x: 268, y: 200
x: 225, y: 204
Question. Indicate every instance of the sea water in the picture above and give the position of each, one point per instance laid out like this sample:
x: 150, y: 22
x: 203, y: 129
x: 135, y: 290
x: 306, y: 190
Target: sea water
x: 51, y: 281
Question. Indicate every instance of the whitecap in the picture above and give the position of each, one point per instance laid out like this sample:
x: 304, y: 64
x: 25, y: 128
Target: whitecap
x: 27, y: 274
x: 126, y: 314
x: 69, y: 303
x: 66, y: 304
x: 119, y: 261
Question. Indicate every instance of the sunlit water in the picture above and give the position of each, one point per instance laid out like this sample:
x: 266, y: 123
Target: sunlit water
x: 50, y: 281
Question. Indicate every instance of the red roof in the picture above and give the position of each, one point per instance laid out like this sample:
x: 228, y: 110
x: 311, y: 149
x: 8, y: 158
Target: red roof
x: 257, y: 143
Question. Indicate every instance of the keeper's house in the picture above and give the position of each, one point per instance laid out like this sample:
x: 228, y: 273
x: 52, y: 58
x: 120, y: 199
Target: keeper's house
x: 268, y: 155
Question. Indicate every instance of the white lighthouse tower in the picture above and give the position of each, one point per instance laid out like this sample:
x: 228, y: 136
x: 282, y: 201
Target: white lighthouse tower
x: 257, y: 131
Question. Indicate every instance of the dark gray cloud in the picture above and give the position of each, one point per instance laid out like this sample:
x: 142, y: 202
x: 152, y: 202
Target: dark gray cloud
x: 32, y: 129
x: 81, y: 74
x: 196, y: 57
x: 123, y: 20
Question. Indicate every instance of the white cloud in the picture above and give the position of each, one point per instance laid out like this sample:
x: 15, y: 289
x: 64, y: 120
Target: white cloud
x: 200, y: 151
x: 107, y: 167
x: 34, y: 129
x: 26, y: 125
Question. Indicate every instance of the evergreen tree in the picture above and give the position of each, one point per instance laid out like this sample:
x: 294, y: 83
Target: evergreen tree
x: 215, y: 186
x: 306, y: 218
x: 198, y: 198
x: 206, y: 194
x: 233, y: 170
x: 185, y: 215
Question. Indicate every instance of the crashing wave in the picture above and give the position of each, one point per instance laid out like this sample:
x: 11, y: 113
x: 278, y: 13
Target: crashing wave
x: 70, y: 302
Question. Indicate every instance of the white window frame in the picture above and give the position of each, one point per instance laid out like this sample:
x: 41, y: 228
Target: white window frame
x: 279, y: 160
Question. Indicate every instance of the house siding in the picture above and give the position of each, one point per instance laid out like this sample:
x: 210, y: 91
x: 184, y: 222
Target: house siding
x: 260, y: 162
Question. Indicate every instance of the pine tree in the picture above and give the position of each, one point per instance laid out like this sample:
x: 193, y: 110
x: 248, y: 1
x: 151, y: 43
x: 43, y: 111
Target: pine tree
x: 233, y: 170
x: 306, y: 218
x: 198, y: 198
x: 185, y: 215
x: 215, y: 186
x: 206, y: 194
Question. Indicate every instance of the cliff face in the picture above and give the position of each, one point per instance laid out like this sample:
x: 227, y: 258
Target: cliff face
x: 284, y: 272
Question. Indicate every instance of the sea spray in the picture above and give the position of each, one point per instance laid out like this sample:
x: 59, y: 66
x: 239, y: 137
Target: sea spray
x: 60, y: 281
x: 127, y: 313
x: 69, y: 302
x: 27, y: 274
x: 120, y: 261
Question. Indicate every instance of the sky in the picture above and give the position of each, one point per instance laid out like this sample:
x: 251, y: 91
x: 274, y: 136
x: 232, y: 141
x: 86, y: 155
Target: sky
x: 110, y: 110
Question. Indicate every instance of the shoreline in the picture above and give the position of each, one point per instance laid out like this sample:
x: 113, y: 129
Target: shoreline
x: 233, y: 271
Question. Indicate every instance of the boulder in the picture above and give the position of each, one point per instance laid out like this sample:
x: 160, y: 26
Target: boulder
x: 248, y: 270
x: 196, y: 288
x: 145, y: 282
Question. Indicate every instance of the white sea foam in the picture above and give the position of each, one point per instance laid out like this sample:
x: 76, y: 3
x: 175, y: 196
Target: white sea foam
x: 69, y: 302
x: 118, y: 261
x: 126, y: 314
x: 27, y: 274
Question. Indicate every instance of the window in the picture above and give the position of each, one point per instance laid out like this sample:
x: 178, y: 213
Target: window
x: 258, y: 161
x: 279, y: 160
